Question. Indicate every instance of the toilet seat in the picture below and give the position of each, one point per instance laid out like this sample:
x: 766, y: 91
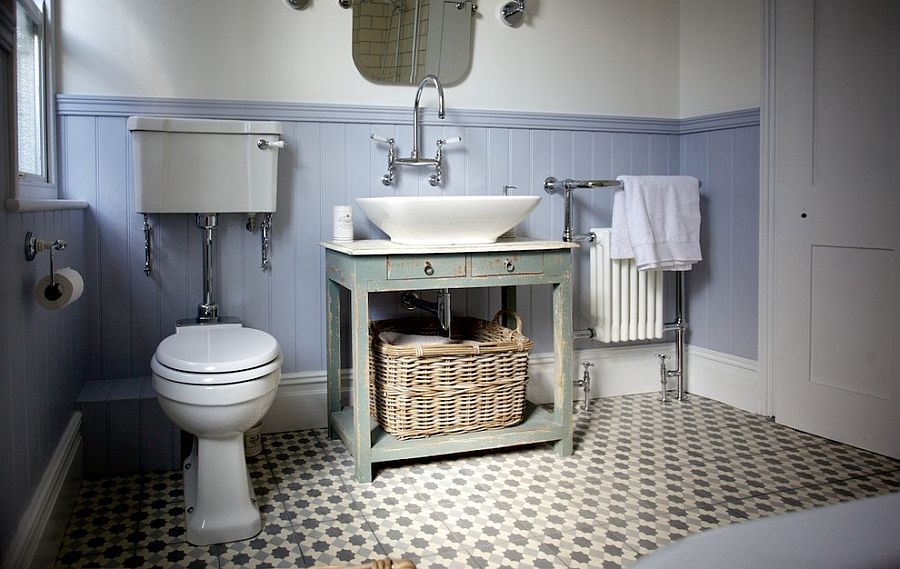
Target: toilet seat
x: 216, y: 354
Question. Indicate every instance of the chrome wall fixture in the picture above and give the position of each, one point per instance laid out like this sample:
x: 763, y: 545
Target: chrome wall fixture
x: 33, y: 246
x: 415, y: 159
x: 148, y: 235
x: 554, y: 186
x: 441, y: 308
x: 679, y: 325
x: 585, y: 385
x: 513, y: 13
x: 265, y: 233
x: 297, y: 4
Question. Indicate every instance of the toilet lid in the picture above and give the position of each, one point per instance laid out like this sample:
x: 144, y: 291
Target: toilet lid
x: 217, y: 348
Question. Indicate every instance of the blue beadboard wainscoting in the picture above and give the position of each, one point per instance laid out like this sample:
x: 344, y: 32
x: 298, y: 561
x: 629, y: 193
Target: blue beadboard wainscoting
x: 330, y: 160
x: 43, y: 358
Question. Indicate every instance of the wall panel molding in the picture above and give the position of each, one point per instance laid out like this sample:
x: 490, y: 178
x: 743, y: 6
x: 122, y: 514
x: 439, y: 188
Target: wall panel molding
x: 74, y: 105
x: 719, y: 121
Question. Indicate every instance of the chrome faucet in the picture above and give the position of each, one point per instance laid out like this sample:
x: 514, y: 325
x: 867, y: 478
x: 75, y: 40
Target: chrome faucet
x: 415, y: 158
x: 440, y: 89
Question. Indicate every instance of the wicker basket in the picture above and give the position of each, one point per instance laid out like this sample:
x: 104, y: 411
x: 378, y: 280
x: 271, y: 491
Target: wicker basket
x: 424, y: 390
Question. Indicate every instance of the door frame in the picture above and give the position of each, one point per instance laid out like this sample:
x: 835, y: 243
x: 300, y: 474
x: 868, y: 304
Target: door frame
x: 766, y: 315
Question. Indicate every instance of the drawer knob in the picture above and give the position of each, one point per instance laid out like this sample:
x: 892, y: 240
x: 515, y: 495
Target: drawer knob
x: 429, y: 270
x: 509, y: 266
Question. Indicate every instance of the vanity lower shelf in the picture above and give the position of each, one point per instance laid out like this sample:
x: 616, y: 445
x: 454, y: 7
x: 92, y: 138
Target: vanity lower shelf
x: 538, y: 425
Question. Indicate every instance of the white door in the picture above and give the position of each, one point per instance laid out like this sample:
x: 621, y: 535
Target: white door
x: 836, y: 193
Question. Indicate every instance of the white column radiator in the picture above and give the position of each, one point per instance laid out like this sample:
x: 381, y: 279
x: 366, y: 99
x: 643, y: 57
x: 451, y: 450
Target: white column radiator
x: 626, y: 304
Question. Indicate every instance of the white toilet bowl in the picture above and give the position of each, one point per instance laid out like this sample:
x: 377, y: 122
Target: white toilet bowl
x: 216, y: 381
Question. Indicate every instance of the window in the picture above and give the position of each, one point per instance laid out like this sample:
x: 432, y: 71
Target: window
x: 35, y: 120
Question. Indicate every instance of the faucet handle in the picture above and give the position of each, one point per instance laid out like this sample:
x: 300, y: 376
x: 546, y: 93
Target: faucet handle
x: 454, y: 140
x: 379, y: 138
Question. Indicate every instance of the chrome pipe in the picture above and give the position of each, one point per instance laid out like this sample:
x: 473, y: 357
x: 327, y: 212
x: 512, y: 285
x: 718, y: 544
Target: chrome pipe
x: 585, y: 384
x: 552, y: 185
x: 585, y: 334
x: 440, y: 88
x: 680, y: 394
x: 679, y: 326
x: 441, y: 308
x: 663, y: 379
x: 207, y: 311
x: 148, y: 232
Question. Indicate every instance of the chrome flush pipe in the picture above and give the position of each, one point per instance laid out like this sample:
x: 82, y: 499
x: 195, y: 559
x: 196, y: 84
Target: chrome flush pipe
x: 207, y: 311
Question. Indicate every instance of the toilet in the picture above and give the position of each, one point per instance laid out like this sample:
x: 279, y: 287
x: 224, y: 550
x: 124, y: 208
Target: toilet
x: 216, y: 381
x: 214, y: 378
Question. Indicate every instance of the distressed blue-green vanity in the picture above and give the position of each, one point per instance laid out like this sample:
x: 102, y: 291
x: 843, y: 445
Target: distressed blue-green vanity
x: 370, y: 266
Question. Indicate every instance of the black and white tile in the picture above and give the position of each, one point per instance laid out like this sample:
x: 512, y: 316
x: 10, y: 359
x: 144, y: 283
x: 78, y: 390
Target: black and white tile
x: 643, y: 475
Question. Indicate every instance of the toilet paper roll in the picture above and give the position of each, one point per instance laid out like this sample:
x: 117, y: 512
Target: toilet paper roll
x: 68, y: 288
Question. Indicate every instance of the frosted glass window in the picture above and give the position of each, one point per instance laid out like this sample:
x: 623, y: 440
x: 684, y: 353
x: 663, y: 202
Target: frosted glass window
x: 30, y: 101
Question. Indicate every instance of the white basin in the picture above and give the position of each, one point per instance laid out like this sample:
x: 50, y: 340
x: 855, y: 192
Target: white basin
x: 446, y: 220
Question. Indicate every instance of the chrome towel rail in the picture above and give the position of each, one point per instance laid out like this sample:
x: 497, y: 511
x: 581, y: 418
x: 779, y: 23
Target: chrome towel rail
x: 553, y: 186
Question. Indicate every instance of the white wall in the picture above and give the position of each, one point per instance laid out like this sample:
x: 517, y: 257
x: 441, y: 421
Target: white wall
x: 658, y: 58
x: 608, y: 57
x: 720, y: 48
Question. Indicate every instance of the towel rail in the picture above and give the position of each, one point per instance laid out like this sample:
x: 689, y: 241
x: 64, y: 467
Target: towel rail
x: 552, y: 185
x: 679, y: 325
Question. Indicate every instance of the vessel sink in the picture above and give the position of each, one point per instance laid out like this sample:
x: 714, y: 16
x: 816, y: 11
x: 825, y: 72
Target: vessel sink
x: 446, y: 220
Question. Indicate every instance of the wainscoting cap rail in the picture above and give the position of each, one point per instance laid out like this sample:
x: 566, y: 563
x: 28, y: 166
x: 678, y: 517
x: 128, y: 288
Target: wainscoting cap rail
x: 89, y: 105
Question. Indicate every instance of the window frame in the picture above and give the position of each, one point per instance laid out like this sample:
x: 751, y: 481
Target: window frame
x: 30, y: 186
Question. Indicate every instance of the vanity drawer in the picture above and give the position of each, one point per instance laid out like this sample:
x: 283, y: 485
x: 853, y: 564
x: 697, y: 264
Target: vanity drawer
x: 492, y: 264
x: 425, y: 266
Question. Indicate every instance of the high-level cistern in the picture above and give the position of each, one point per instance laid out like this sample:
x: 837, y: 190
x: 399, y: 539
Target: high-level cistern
x: 415, y: 158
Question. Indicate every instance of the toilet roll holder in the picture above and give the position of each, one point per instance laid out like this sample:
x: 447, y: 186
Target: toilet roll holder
x: 33, y: 246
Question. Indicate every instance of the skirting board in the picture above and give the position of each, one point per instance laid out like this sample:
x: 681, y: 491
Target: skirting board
x: 43, y: 524
x: 732, y: 380
x: 301, y: 400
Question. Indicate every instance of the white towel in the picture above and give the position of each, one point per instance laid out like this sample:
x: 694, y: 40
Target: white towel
x: 656, y: 220
x: 400, y: 339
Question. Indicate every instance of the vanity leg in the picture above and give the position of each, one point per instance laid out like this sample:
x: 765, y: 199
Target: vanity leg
x: 508, y: 302
x: 333, y: 351
x: 562, y: 347
x: 362, y: 439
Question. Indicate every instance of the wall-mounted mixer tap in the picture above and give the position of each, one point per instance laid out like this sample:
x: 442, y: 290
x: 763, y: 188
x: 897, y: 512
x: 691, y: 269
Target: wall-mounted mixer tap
x: 415, y: 158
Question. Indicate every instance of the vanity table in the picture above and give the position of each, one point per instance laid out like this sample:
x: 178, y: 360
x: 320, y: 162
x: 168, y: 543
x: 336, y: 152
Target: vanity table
x: 370, y: 266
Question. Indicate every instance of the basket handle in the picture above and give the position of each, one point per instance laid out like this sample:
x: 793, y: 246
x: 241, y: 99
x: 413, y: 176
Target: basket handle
x: 512, y: 314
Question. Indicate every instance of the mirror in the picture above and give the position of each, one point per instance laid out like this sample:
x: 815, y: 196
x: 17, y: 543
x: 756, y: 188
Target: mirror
x: 399, y: 42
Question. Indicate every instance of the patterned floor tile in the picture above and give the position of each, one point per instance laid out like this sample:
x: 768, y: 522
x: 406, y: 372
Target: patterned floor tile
x: 338, y: 542
x: 805, y: 498
x: 319, y: 501
x: 275, y: 546
x: 604, y: 546
x: 412, y: 536
x: 448, y: 558
x: 507, y: 554
x: 163, y: 510
x: 105, y: 518
x: 176, y: 556
x: 106, y: 556
x: 643, y: 475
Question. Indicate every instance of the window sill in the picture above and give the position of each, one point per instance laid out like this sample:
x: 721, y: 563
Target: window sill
x: 22, y: 205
